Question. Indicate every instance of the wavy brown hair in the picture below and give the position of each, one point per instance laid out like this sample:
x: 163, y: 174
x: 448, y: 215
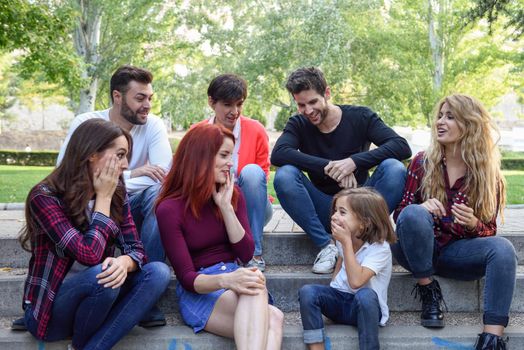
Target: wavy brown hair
x: 72, y: 180
x: 192, y: 175
x: 371, y: 210
x: 484, y: 182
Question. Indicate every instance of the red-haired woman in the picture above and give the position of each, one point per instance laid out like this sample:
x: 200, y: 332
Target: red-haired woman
x: 205, y: 230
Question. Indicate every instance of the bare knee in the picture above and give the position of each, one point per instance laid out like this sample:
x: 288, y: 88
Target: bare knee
x: 276, y: 318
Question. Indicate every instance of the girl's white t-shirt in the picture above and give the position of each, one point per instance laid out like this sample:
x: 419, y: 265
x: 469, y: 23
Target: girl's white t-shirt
x: 377, y: 257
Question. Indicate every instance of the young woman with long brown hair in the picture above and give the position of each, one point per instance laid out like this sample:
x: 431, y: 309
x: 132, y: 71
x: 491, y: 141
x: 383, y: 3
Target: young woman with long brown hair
x: 75, y: 218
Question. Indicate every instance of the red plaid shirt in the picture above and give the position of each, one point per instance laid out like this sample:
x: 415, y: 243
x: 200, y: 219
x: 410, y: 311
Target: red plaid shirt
x: 445, y: 229
x: 57, y: 244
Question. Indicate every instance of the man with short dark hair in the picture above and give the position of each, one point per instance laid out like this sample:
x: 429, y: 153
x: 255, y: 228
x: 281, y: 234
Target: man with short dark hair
x: 332, y: 144
x: 131, y: 94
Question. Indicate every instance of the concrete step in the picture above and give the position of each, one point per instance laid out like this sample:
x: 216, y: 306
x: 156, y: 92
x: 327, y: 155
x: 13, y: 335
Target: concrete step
x: 284, y: 283
x: 339, y: 337
x: 284, y: 242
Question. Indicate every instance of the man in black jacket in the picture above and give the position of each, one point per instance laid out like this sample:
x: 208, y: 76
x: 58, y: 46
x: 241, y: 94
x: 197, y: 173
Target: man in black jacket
x: 331, y: 143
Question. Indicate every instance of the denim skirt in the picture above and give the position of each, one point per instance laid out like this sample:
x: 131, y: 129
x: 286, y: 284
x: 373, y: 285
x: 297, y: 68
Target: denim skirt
x: 196, y: 308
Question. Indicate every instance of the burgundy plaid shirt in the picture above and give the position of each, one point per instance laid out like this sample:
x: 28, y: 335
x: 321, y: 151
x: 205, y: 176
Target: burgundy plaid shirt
x: 57, y: 244
x: 445, y: 229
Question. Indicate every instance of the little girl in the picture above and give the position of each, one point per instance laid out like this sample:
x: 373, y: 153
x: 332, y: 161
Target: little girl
x: 357, y: 294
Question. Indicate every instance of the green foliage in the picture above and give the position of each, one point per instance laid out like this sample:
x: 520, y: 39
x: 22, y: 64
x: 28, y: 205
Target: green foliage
x: 511, y: 11
x: 282, y: 117
x: 512, y: 163
x: 8, y: 85
x: 44, y: 158
x: 384, y: 61
x: 41, y: 29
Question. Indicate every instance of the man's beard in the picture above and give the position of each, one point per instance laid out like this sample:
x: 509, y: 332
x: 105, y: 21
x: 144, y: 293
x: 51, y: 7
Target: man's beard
x: 130, y: 115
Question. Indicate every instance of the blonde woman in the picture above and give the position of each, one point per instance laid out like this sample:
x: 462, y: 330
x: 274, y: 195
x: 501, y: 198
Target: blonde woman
x: 446, y: 221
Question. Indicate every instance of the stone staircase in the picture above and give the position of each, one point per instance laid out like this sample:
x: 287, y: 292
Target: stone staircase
x: 289, y: 255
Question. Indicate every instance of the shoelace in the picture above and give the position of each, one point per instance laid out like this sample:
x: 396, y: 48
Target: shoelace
x: 324, y: 253
x: 434, y: 292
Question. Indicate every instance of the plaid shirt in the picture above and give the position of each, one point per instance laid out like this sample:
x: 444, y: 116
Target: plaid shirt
x: 445, y: 229
x: 56, y: 245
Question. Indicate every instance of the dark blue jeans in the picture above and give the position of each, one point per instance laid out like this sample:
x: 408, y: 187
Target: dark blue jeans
x: 310, y: 208
x: 361, y: 310
x: 98, y: 317
x: 465, y: 259
x: 143, y: 210
x: 253, y: 183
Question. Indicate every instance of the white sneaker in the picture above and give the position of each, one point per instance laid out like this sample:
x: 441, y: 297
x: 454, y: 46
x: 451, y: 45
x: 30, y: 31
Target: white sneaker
x: 326, y: 259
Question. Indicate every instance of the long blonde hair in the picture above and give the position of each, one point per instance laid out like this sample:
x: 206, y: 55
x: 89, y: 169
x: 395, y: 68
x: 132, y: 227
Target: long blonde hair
x: 484, y: 182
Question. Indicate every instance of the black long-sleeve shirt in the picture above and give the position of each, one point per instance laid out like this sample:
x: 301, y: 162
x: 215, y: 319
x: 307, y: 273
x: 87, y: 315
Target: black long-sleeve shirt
x: 303, y: 145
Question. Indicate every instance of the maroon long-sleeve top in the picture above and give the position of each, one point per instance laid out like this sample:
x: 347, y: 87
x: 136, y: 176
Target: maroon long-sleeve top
x: 191, y: 244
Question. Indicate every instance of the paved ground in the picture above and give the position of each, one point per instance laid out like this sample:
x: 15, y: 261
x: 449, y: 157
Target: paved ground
x: 513, y: 221
x: 279, y: 223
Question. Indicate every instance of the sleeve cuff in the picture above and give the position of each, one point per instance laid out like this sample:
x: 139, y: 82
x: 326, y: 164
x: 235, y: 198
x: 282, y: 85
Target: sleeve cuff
x: 138, y: 258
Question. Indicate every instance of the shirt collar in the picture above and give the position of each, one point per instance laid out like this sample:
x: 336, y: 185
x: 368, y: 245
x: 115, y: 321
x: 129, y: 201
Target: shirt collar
x: 236, y: 129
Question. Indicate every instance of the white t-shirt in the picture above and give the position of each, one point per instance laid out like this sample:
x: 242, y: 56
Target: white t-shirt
x: 150, y: 146
x: 376, y: 257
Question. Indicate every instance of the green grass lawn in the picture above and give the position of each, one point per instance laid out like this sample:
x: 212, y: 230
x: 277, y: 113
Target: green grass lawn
x: 16, y: 181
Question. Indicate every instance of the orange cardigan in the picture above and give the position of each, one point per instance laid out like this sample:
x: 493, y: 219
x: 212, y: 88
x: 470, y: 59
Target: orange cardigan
x: 254, y: 144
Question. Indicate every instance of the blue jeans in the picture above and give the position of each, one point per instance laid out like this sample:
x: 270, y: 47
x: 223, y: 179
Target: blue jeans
x: 98, y: 317
x: 253, y: 183
x: 310, y: 208
x: 464, y: 259
x: 143, y: 210
x: 361, y: 310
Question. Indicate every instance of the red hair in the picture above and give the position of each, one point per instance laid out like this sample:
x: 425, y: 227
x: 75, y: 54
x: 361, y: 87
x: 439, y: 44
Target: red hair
x: 192, y: 175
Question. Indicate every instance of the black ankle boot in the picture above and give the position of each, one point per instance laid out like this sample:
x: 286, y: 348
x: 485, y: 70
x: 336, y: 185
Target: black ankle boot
x: 488, y: 341
x: 431, y: 297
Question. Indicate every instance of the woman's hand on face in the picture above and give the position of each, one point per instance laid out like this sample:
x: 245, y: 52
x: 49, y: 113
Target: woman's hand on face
x: 464, y: 215
x: 105, y: 180
x: 340, y: 233
x: 114, y: 272
x: 435, y: 207
x: 248, y: 281
x: 223, y: 195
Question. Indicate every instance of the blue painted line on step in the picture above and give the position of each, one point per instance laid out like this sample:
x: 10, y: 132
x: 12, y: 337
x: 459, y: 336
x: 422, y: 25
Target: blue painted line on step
x: 187, y: 346
x: 327, y: 345
x: 172, y: 345
x: 41, y: 345
x: 447, y: 344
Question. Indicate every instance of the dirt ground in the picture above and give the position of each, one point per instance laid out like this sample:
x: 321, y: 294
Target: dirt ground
x: 37, y: 140
x: 51, y: 140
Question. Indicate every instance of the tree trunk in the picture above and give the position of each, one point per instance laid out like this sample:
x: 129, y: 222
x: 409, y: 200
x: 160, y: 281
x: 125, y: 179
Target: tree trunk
x: 87, y: 41
x: 436, y: 45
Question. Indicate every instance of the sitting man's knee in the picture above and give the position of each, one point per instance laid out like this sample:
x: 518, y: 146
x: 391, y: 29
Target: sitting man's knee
x: 283, y: 175
x: 395, y: 170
